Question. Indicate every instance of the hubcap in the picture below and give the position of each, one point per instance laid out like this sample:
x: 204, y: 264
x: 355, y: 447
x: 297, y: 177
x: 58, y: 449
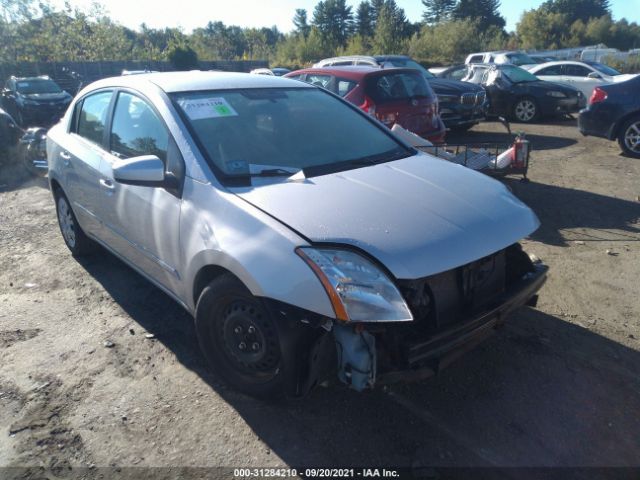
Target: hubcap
x: 632, y: 137
x: 249, y: 340
x: 525, y: 110
x: 67, y: 225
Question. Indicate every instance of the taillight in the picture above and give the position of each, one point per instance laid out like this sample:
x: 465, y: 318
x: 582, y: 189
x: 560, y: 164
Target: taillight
x: 598, y: 95
x: 368, y: 106
x: 387, y: 118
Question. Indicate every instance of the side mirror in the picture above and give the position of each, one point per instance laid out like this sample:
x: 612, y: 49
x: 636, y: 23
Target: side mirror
x: 146, y: 171
x: 595, y: 76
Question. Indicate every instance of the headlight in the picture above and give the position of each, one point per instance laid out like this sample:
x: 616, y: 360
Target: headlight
x: 556, y: 94
x: 448, y: 98
x: 359, y: 291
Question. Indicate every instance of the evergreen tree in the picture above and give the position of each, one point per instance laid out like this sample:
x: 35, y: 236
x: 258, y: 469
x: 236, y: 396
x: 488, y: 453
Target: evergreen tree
x: 437, y: 11
x: 486, y: 11
x: 300, y: 22
x: 364, y: 20
x: 578, y: 9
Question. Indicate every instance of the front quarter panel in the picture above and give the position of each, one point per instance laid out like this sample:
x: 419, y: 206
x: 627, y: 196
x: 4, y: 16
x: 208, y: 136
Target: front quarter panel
x: 218, y: 228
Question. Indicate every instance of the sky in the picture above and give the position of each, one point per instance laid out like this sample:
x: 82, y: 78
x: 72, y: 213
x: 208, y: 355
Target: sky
x: 190, y: 14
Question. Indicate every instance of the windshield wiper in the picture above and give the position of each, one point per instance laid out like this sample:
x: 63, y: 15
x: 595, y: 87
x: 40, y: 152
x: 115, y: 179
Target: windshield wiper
x: 274, y: 172
x: 379, y: 158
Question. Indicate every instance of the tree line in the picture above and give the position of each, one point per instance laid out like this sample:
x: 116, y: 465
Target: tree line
x: 448, y: 30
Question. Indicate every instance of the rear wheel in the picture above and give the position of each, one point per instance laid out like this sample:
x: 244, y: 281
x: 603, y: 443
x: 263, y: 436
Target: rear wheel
x: 73, y: 235
x: 239, y: 338
x: 629, y: 137
x: 525, y: 110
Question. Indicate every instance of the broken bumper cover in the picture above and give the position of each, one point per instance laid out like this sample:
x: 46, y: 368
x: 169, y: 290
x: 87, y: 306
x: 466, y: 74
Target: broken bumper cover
x: 427, y: 357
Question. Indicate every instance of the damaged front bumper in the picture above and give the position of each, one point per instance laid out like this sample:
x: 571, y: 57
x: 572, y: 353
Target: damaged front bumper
x: 451, y: 316
x: 370, y: 354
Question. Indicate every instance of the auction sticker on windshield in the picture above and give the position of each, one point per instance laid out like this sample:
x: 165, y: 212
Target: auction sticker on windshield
x: 201, y: 108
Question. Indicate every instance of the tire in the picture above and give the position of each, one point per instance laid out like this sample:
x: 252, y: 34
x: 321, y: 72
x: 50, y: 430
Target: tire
x: 72, y: 234
x: 239, y: 338
x: 629, y: 137
x: 525, y: 110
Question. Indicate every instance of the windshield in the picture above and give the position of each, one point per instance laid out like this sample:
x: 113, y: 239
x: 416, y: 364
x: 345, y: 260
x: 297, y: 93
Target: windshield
x: 408, y: 63
x: 37, y: 86
x: 518, y: 75
x: 520, y: 59
x: 605, y: 69
x: 249, y: 131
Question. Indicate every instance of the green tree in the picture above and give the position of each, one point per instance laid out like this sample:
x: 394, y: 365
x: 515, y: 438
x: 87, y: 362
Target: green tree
x: 389, y: 35
x: 450, y: 42
x: 334, y: 21
x: 487, y: 12
x: 300, y: 22
x: 578, y: 9
x: 364, y: 20
x: 540, y: 29
x: 183, y: 57
x: 436, y: 11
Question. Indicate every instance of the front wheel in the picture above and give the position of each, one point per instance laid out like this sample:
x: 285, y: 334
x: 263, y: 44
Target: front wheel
x: 525, y: 110
x: 629, y: 138
x: 239, y: 338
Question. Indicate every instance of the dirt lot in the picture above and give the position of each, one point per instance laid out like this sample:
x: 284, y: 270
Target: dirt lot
x: 558, y: 386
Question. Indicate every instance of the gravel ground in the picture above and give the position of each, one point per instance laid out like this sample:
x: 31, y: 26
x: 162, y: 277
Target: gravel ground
x: 558, y: 386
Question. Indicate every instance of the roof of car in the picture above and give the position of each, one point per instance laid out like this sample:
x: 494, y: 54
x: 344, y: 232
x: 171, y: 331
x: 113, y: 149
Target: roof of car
x: 559, y: 62
x: 351, y: 72
x: 194, y: 80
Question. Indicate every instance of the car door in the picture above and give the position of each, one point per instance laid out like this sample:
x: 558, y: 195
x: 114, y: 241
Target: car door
x: 80, y: 155
x: 552, y: 73
x: 141, y: 223
x: 578, y: 76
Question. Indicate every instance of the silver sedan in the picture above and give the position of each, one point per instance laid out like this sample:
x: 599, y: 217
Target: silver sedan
x: 301, y: 234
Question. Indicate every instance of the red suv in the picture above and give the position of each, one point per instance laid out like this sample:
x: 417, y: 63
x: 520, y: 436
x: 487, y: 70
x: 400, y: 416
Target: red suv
x: 392, y: 95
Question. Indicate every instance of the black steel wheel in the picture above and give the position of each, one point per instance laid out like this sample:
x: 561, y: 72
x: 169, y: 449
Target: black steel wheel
x: 239, y: 338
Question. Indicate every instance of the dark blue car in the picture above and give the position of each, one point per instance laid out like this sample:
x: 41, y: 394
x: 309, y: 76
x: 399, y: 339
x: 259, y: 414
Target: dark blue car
x: 614, y: 113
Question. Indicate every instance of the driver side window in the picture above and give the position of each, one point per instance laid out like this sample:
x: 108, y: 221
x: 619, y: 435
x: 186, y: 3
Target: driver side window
x: 136, y: 129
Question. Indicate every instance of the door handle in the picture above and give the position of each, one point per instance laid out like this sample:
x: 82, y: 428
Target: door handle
x: 66, y: 158
x: 106, y: 183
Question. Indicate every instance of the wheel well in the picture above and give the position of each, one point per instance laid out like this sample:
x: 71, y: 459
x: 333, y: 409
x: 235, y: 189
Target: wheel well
x: 204, y: 277
x: 615, y: 131
x: 55, y: 187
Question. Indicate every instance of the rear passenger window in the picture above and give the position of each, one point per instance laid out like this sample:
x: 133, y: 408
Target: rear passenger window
x: 319, y: 80
x: 136, y: 129
x: 93, y: 116
x: 552, y: 70
x: 345, y: 86
x: 576, y: 71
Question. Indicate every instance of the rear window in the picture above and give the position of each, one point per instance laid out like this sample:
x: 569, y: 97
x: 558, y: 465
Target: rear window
x: 397, y: 86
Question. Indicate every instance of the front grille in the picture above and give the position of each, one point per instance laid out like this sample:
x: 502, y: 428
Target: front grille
x: 480, y: 97
x: 468, y: 99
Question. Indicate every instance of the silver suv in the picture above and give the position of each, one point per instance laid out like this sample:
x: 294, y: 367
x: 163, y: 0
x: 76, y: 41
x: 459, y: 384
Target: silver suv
x: 301, y: 234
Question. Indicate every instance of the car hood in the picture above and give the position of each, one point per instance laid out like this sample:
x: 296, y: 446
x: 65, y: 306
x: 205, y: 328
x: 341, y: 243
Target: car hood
x: 452, y: 87
x: 47, y: 97
x: 418, y: 216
